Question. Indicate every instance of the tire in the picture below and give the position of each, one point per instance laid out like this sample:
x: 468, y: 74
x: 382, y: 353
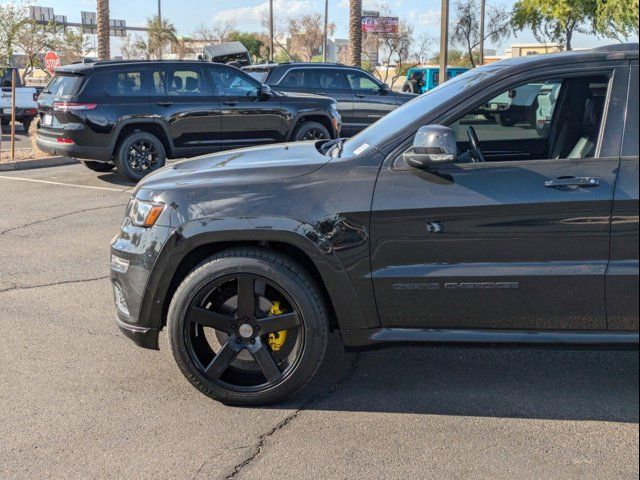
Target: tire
x: 506, y: 121
x: 410, y: 87
x: 132, y: 159
x: 236, y: 384
x: 98, y: 166
x: 311, y: 131
x: 26, y: 124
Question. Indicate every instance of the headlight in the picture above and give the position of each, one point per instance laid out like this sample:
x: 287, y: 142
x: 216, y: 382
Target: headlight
x: 143, y: 213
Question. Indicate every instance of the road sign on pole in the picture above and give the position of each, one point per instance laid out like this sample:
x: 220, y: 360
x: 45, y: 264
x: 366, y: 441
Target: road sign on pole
x: 51, y: 62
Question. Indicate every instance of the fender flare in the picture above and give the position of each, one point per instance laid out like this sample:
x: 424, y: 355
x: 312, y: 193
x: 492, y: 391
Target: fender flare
x: 202, y: 232
x: 306, y: 113
x: 121, y: 124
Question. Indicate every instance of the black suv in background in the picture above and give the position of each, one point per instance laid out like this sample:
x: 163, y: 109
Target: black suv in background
x: 362, y: 99
x: 134, y: 115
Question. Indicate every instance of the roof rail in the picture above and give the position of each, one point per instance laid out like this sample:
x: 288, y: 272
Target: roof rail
x: 617, y: 47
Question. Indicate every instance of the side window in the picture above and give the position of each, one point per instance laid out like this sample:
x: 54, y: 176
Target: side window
x: 229, y: 83
x: 521, y: 113
x: 326, y: 79
x: 630, y: 143
x: 126, y: 84
x: 158, y: 79
x: 295, y: 79
x: 184, y: 82
x: 361, y: 82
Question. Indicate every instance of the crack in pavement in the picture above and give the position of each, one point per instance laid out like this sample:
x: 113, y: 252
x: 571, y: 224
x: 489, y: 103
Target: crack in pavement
x: 52, y: 284
x: 60, y: 216
x: 262, y: 439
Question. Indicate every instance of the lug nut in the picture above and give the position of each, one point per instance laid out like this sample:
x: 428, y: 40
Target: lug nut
x: 253, y: 341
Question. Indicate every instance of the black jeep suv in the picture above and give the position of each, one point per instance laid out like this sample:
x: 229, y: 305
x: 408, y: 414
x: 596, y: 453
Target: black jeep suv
x: 433, y: 225
x: 362, y: 99
x: 133, y: 115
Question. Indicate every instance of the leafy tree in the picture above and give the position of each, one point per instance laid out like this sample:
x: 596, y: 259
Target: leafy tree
x: 559, y: 20
x: 74, y: 45
x: 33, y: 40
x: 466, y: 28
x: 456, y: 58
x: 13, y: 15
x: 161, y: 34
x: 307, y: 34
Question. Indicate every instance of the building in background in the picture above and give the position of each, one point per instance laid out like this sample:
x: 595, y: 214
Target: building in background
x: 523, y: 49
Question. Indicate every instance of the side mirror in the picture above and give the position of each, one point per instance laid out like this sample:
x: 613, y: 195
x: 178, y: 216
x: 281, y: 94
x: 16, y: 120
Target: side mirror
x: 385, y: 89
x: 265, y: 91
x: 432, y: 145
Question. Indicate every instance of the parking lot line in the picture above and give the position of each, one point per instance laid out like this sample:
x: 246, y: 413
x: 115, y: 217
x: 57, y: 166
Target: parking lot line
x: 49, y: 182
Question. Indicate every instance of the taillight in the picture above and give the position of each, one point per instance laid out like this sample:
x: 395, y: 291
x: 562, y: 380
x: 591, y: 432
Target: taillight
x: 73, y: 106
x: 64, y: 140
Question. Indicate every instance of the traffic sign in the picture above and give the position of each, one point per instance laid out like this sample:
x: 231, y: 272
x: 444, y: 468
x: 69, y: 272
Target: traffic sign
x: 51, y: 62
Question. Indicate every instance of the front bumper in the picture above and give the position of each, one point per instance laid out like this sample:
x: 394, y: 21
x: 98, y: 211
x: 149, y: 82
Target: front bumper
x: 133, y: 254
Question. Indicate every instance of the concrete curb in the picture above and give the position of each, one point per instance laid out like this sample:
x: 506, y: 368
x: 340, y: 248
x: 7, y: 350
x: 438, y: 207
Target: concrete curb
x: 37, y: 163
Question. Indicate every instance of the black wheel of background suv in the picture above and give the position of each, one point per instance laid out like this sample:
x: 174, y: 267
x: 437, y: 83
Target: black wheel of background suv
x: 410, y: 87
x: 139, y: 154
x: 98, y: 166
x: 311, y: 131
x: 248, y: 326
x: 26, y: 124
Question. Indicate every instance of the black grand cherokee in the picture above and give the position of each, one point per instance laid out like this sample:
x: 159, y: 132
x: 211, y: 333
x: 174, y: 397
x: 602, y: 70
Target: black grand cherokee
x: 134, y: 115
x: 362, y: 98
x: 436, y: 224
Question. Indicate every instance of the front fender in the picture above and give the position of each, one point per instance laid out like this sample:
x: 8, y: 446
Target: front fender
x: 203, y: 232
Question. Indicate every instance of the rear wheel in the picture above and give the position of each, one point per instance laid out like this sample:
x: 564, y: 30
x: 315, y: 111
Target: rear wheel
x: 139, y: 154
x: 410, y: 87
x: 248, y: 327
x: 311, y: 131
x: 98, y: 166
x: 26, y: 124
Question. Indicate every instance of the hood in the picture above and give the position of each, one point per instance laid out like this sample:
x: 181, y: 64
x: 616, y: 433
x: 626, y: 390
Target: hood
x: 244, y: 166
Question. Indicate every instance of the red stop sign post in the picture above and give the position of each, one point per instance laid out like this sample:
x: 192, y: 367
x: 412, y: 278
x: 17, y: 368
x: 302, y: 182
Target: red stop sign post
x: 51, y: 62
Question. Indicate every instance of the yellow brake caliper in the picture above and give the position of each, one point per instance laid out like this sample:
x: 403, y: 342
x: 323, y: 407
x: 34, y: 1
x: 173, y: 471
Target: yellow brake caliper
x: 277, y: 339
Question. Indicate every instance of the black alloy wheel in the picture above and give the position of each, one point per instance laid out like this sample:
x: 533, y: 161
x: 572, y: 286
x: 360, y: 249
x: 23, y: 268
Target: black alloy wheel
x: 311, y: 131
x: 242, y: 336
x: 139, y: 154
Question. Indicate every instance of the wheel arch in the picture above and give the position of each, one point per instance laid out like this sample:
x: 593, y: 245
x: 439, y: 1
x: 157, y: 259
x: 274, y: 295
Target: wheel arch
x: 158, y: 129
x: 185, y: 249
x: 313, y: 116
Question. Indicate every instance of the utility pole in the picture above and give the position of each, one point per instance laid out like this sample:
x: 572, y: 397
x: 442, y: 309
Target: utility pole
x: 482, y: 8
x: 444, y: 42
x: 326, y: 30
x: 160, y: 12
x: 271, y: 30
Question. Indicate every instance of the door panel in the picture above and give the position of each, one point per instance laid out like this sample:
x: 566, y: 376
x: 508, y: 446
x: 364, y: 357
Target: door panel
x: 369, y: 103
x: 622, y: 275
x: 246, y: 119
x: 493, y: 245
x: 182, y: 97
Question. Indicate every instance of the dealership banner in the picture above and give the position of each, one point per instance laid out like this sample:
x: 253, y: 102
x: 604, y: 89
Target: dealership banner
x: 373, y: 24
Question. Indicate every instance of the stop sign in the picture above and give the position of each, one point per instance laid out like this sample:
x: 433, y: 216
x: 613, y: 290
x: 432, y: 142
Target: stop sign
x: 51, y: 62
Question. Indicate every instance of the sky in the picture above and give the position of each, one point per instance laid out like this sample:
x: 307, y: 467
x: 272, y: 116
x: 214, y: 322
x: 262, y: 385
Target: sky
x: 423, y: 15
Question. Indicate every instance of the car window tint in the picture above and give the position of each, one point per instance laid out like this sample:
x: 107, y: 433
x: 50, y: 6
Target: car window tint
x: 326, y: 79
x: 125, y: 84
x: 158, y: 79
x: 259, y: 75
x: 361, y: 82
x: 64, y: 85
x: 295, y: 79
x: 230, y: 83
x: 525, y: 112
x: 185, y: 82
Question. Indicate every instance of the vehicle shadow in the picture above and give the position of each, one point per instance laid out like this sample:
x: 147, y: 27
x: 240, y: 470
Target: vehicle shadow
x: 559, y: 384
x: 116, y: 179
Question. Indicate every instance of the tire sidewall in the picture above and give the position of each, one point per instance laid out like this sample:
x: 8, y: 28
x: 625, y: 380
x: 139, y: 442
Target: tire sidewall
x: 314, y: 321
x: 122, y: 160
x: 306, y: 126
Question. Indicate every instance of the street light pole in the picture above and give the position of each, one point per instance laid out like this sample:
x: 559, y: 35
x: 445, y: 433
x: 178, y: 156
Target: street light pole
x: 482, y: 8
x: 326, y: 30
x: 444, y: 42
x: 160, y: 12
x: 271, y: 30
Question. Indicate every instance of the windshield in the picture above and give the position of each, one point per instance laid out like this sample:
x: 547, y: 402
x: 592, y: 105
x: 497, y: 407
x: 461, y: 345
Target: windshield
x: 259, y: 75
x: 390, y: 125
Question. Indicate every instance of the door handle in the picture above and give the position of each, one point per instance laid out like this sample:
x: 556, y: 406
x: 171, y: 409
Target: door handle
x: 573, y: 182
x: 230, y: 104
x: 359, y: 95
x: 164, y: 104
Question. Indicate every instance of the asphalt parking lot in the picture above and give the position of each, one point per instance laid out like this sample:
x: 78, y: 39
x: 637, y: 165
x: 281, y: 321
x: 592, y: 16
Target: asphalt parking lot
x: 79, y: 400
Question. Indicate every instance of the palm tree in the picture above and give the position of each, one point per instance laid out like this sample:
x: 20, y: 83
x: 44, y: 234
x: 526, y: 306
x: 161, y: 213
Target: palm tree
x: 104, y: 52
x: 355, y: 31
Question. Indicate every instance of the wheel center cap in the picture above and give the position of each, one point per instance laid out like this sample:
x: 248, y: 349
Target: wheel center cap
x: 245, y: 330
